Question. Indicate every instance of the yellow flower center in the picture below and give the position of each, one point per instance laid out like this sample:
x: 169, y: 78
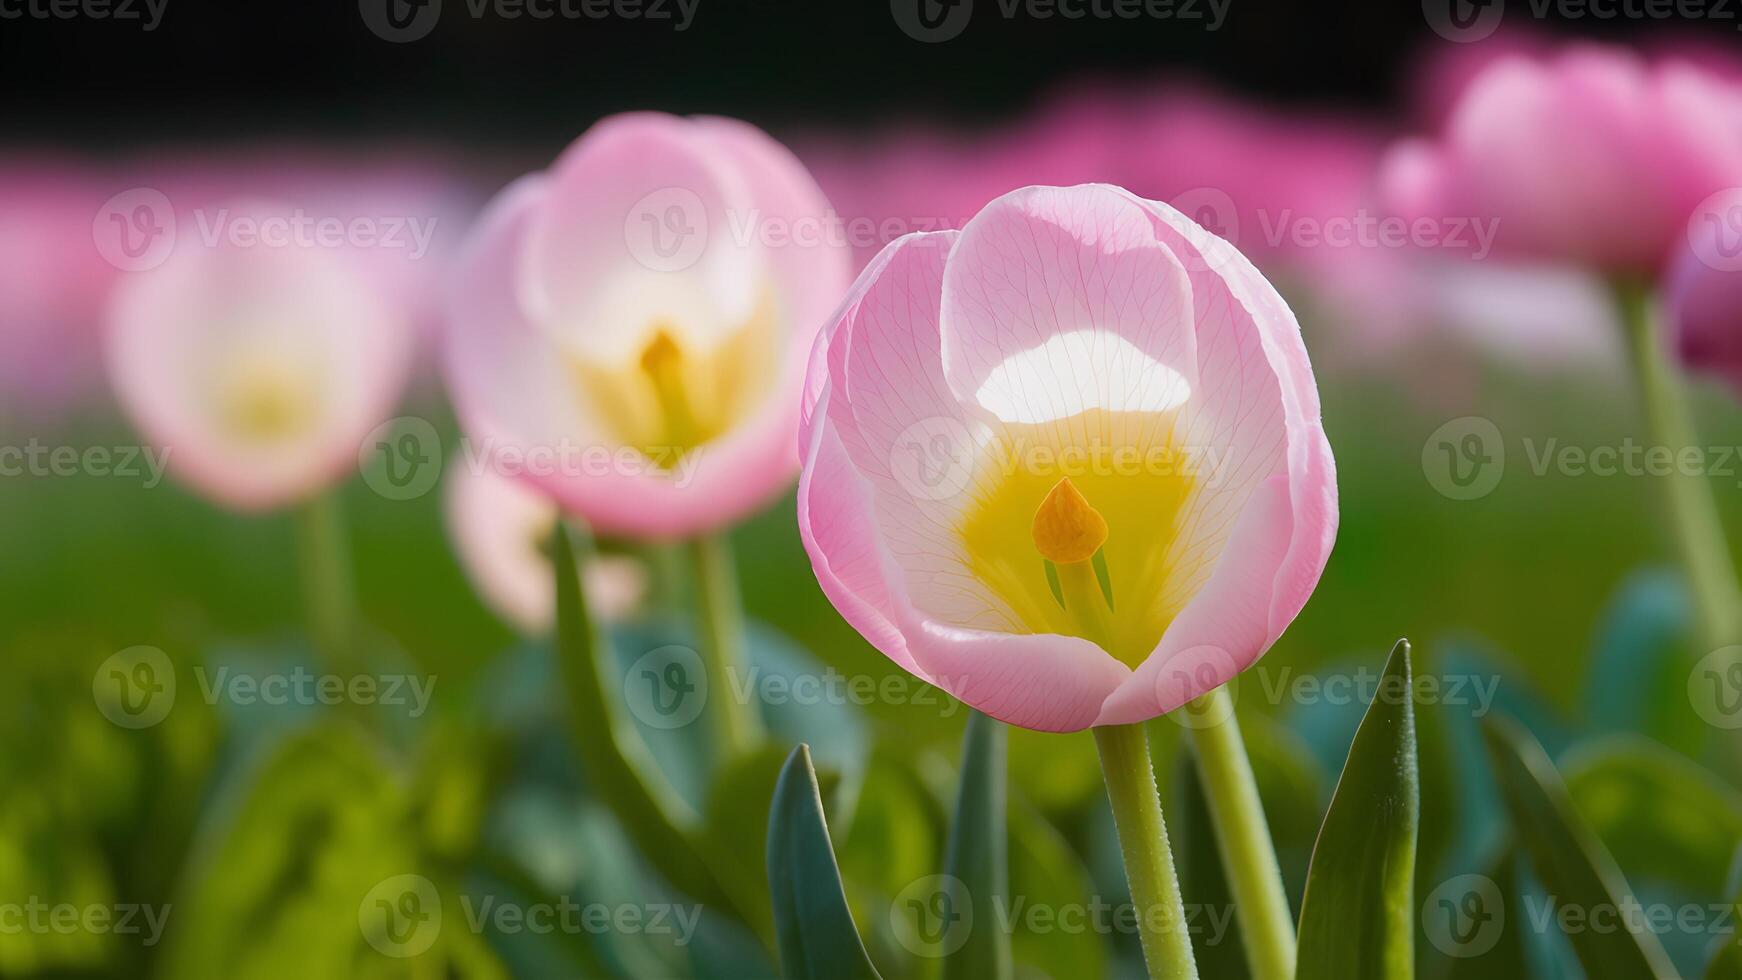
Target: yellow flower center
x: 265, y: 400
x: 676, y: 397
x: 1103, y: 496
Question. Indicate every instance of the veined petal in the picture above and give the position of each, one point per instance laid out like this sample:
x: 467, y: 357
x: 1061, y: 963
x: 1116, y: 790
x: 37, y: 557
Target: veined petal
x: 1062, y: 300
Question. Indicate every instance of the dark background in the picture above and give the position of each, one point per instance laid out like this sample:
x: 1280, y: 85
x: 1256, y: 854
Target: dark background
x: 228, y: 68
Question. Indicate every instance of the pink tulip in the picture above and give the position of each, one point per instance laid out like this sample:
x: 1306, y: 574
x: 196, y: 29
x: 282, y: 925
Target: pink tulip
x: 634, y: 323
x: 501, y: 530
x: 1593, y: 156
x: 259, y: 367
x: 1076, y: 369
x: 1704, y: 295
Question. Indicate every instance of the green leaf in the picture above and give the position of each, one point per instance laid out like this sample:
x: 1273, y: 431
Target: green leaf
x: 1358, y: 914
x: 619, y: 769
x: 1660, y: 815
x: 816, y: 935
x: 978, y: 855
x: 1572, y: 863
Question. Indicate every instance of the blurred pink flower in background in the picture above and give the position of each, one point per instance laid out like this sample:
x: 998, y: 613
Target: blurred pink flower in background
x: 501, y: 529
x: 1593, y: 155
x: 52, y: 286
x: 1066, y: 323
x: 259, y: 367
x: 634, y: 323
x: 1704, y: 297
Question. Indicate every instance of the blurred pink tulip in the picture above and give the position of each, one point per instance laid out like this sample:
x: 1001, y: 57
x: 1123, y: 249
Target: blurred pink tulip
x: 1591, y: 156
x: 634, y: 323
x: 1077, y: 368
x: 501, y: 529
x: 1705, y: 315
x: 52, y: 286
x: 259, y: 367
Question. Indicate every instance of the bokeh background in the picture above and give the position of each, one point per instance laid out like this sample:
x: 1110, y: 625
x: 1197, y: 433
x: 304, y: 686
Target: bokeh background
x: 257, y: 829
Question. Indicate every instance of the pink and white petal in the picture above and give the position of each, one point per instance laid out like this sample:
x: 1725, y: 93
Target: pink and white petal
x: 508, y: 379
x: 1309, y: 464
x: 1279, y: 497
x: 805, y: 244
x: 1043, y: 681
x: 640, y: 225
x: 1058, y: 300
x: 828, y: 355
x: 835, y: 522
x: 905, y: 432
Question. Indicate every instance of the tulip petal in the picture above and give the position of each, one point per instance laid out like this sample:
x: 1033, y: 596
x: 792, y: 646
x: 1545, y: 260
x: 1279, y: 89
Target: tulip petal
x: 850, y: 564
x: 638, y: 226
x: 1278, y: 492
x: 1059, y: 300
x: 804, y: 237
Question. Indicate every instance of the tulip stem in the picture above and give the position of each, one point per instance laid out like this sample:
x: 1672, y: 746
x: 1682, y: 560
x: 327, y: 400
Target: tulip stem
x: 720, y: 620
x: 1161, y: 921
x: 1694, y: 514
x: 328, y: 589
x: 1243, y: 836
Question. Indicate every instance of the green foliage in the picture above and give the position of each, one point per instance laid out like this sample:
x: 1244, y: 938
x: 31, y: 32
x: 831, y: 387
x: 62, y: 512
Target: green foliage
x: 815, y: 929
x: 1572, y: 863
x: 1357, y: 917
